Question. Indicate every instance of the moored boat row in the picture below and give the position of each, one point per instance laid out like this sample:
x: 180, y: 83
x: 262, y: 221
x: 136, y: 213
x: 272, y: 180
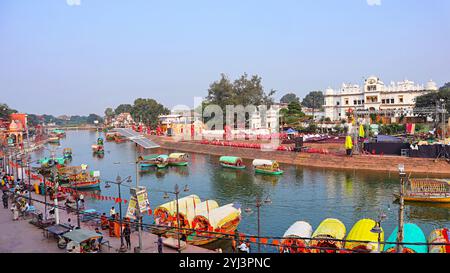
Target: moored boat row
x: 330, y: 237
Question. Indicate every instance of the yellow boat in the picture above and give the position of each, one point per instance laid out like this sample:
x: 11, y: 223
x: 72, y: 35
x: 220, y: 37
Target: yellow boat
x: 187, y: 213
x: 164, y: 213
x: 427, y: 190
x: 223, y: 219
x: 330, y: 228
x: 361, y: 231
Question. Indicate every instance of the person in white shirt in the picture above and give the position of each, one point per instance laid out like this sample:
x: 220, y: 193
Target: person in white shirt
x: 112, y: 212
x: 243, y: 247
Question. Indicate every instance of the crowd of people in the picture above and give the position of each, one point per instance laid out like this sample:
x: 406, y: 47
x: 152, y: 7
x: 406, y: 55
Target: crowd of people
x: 14, y: 196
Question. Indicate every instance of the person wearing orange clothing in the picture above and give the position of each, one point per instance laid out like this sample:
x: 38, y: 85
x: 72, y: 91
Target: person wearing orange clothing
x: 103, y: 221
x: 116, y: 225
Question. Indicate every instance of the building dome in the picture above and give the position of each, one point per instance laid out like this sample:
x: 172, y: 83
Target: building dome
x: 431, y: 85
x: 329, y: 91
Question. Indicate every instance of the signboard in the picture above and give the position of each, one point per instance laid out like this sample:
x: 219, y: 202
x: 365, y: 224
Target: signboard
x: 138, y: 200
x: 131, y: 211
x: 142, y: 197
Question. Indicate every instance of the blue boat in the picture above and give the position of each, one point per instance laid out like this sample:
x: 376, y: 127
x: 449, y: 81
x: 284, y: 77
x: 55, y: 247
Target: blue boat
x: 411, y: 234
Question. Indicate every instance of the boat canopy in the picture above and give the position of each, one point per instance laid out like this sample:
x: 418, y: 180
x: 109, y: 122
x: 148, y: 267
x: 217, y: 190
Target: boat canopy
x: 171, y: 207
x: 330, y: 227
x: 220, y: 216
x: 429, y: 185
x: 58, y: 131
x: 67, y: 150
x: 361, y: 231
x: 230, y: 159
x: 411, y: 234
x: 264, y: 162
x: 177, y: 155
x: 163, y: 156
x: 299, y: 229
x: 70, y: 170
x: 148, y: 157
x: 204, y: 207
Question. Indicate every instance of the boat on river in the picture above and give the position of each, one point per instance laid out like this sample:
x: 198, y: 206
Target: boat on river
x: 368, y: 240
x: 164, y: 213
x: 426, y: 190
x: 148, y: 160
x: 223, y: 219
x: 187, y: 213
x: 162, y: 161
x: 58, y: 133
x: 78, y: 177
x: 412, y: 233
x: 48, y: 162
x: 264, y: 166
x: 67, y: 153
x: 53, y: 140
x: 178, y: 159
x: 232, y: 162
x: 110, y: 136
x: 439, y: 236
x: 325, y: 236
x: 294, y: 238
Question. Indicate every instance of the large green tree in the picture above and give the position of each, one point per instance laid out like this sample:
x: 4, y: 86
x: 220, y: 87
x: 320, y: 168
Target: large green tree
x: 123, y: 108
x: 430, y: 99
x: 314, y: 100
x: 243, y: 91
x: 147, y: 111
x: 289, y: 97
x: 109, y: 112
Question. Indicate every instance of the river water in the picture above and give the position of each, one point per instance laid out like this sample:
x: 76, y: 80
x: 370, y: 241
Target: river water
x: 301, y: 193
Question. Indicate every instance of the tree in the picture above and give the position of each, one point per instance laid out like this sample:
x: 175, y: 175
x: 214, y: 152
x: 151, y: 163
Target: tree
x: 147, y: 111
x: 314, y: 100
x: 5, y: 111
x: 243, y: 91
x: 93, y: 117
x: 109, y: 112
x: 429, y: 100
x: 123, y: 108
x: 289, y: 97
x: 294, y: 108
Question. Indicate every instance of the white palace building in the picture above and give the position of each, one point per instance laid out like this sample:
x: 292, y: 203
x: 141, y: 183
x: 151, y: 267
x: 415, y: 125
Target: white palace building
x: 374, y: 96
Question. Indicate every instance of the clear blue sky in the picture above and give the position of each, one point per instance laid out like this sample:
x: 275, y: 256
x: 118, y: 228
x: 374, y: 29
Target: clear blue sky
x: 56, y: 58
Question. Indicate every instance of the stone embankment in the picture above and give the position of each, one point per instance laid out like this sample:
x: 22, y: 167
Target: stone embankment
x: 422, y: 166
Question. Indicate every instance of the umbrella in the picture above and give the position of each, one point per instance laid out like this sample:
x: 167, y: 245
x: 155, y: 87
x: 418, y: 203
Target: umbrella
x: 361, y: 131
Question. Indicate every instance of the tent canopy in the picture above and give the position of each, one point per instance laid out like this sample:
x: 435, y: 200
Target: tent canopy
x: 81, y: 235
x: 291, y: 131
x: 299, y: 229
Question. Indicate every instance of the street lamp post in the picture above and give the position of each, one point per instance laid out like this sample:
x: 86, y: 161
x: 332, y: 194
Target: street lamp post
x: 258, y: 205
x: 378, y: 230
x: 119, y: 182
x: 401, y: 169
x: 177, y: 192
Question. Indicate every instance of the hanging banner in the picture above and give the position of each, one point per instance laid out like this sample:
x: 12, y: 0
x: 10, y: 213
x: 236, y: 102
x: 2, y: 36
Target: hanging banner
x: 142, y: 197
x: 131, y: 211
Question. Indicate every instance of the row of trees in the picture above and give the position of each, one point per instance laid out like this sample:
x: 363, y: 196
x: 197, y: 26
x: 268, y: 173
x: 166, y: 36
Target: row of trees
x: 34, y: 120
x: 143, y: 110
x: 314, y: 99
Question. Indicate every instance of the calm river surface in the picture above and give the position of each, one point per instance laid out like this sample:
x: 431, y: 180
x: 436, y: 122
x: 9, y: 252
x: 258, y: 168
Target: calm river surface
x: 300, y: 194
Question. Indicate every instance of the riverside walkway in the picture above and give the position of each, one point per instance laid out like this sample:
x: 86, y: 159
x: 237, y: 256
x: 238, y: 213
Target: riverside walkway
x: 22, y: 237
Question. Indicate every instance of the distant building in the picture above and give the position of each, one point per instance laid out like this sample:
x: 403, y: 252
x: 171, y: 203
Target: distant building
x: 123, y: 120
x: 13, y: 130
x: 375, y: 96
x: 318, y: 114
x: 271, y: 121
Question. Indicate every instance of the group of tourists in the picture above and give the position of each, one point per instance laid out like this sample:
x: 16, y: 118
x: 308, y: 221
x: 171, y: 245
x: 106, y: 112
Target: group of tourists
x: 14, y: 191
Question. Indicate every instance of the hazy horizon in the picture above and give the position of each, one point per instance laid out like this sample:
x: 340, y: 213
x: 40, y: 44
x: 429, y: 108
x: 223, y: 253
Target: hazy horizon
x: 77, y: 57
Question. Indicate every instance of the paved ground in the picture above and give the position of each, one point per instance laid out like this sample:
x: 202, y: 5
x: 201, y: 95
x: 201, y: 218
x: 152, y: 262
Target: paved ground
x: 21, y: 236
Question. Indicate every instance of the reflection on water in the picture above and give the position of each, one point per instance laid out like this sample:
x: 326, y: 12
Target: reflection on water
x: 309, y: 194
